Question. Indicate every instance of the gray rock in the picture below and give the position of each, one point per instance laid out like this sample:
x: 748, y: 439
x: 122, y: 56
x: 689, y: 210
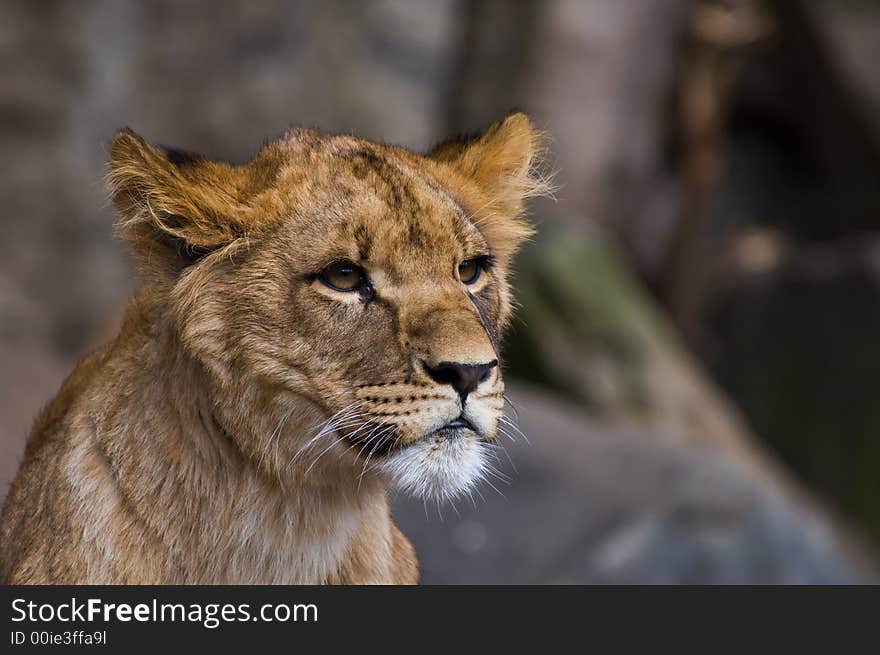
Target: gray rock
x: 590, y: 504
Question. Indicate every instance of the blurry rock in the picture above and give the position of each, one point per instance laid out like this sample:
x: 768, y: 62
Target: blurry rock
x: 593, y: 504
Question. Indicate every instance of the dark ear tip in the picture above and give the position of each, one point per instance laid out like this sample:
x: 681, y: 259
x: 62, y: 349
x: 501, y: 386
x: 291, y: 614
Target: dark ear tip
x: 125, y: 144
x: 127, y: 133
x: 180, y: 158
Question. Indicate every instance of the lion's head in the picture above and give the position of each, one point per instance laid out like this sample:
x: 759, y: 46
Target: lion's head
x: 339, y: 294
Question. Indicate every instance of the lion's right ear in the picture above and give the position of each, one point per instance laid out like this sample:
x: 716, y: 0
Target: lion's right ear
x: 174, y: 207
x: 504, y: 162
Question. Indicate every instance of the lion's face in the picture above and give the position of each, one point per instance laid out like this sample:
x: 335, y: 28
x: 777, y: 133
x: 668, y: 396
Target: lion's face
x: 387, y: 299
x: 358, y: 284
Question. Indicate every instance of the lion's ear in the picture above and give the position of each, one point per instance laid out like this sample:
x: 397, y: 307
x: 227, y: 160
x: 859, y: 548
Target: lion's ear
x: 173, y: 207
x: 503, y: 162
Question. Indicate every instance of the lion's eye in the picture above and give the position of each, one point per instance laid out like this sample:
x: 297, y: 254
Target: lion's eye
x: 343, y: 276
x: 469, y: 270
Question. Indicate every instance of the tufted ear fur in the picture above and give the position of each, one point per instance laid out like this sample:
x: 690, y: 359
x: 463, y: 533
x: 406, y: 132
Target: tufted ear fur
x: 175, y: 207
x: 503, y: 161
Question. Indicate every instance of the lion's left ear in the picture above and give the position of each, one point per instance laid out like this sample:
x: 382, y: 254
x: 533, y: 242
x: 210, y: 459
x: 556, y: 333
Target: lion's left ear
x: 502, y: 161
x: 174, y: 207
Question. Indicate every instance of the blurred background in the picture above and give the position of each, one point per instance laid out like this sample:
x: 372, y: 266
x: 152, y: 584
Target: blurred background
x: 696, y: 360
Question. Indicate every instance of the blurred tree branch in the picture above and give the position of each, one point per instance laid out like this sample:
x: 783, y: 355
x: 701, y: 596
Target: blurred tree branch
x: 720, y: 34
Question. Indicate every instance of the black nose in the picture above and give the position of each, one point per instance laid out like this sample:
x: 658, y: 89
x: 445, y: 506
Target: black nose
x: 464, y: 378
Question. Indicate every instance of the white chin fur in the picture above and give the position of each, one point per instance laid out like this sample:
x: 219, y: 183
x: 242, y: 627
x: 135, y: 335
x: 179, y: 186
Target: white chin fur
x: 441, y: 470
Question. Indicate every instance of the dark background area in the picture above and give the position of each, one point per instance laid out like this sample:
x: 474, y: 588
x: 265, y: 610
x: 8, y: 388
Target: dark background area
x: 696, y: 359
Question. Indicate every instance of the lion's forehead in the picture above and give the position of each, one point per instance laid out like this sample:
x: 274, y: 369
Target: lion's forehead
x: 386, y: 214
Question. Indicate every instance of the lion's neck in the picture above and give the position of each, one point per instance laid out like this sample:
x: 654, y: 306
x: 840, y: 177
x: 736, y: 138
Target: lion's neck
x: 214, y: 514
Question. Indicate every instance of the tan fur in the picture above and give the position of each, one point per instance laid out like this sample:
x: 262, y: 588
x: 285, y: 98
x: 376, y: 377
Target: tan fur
x: 196, y: 447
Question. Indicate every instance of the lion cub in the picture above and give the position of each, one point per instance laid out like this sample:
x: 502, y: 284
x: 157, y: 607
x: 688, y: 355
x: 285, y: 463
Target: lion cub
x: 314, y: 325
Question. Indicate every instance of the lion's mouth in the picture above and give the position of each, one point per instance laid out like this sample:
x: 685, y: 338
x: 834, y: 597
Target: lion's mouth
x: 454, y: 429
x: 460, y: 422
x: 380, y: 440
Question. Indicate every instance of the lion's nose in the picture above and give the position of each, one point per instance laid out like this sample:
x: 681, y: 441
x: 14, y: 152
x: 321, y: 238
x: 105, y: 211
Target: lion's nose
x: 464, y: 378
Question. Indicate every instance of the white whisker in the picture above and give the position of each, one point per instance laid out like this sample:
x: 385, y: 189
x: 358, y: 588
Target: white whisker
x: 323, y: 452
x: 512, y: 406
x: 507, y: 421
x: 509, y: 458
x: 381, y: 439
x: 502, y: 431
x: 346, y: 417
x: 495, y: 488
x: 275, y: 436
